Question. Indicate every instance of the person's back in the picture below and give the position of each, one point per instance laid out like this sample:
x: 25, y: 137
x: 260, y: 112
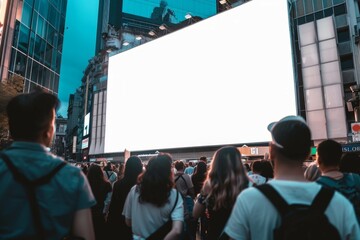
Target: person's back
x: 329, y: 154
x: 63, y: 202
x: 115, y: 220
x: 255, y: 217
x: 226, y: 179
x: 154, y: 201
x: 189, y: 170
x: 110, y: 174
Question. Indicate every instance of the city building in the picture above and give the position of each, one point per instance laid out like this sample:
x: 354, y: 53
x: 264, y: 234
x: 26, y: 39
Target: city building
x: 73, y: 131
x: 59, y: 144
x: 326, y: 59
x: 31, y: 40
x: 122, y: 26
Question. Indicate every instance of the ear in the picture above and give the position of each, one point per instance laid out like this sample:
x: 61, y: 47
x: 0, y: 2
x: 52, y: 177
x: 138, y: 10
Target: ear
x: 47, y: 135
x: 272, y: 152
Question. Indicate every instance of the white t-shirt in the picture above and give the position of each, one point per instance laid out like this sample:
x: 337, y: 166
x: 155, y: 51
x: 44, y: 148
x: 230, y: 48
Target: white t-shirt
x: 254, y: 216
x: 257, y: 179
x: 146, y: 217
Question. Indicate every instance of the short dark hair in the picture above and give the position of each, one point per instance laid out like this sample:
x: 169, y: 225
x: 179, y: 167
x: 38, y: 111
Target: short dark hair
x: 291, y: 136
x: 203, y: 158
x: 329, y: 152
x: 179, y: 165
x: 30, y: 113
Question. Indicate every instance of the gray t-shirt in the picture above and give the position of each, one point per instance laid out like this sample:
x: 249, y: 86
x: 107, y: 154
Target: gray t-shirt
x: 146, y: 217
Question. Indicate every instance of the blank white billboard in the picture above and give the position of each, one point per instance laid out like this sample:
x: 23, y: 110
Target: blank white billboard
x: 220, y: 81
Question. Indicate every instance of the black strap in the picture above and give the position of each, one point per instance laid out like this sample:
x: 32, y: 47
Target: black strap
x: 181, y: 176
x: 155, y: 234
x: 176, y: 200
x: 108, y: 175
x: 275, y: 198
x: 320, y: 202
x: 322, y: 199
x: 30, y: 190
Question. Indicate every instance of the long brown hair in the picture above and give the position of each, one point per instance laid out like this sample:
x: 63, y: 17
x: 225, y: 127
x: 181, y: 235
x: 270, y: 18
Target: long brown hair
x: 227, y: 177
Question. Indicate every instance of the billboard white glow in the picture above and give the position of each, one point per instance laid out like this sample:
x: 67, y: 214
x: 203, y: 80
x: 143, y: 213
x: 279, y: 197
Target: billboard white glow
x: 220, y: 81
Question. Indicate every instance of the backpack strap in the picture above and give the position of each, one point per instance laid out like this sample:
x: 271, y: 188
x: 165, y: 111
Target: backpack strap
x: 319, y: 204
x: 181, y: 176
x: 274, y: 197
x: 30, y: 190
x: 322, y: 199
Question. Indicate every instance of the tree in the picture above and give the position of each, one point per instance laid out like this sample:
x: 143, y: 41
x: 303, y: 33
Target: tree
x: 9, y: 88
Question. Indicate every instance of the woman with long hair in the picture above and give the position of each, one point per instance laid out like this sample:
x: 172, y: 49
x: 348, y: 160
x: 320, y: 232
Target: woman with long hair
x: 154, y: 200
x: 199, y: 176
x: 226, y: 179
x: 101, y: 189
x: 115, y: 220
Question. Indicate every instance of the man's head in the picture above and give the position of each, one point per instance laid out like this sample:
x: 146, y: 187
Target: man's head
x: 329, y: 153
x: 32, y: 117
x: 203, y: 158
x: 291, y: 138
x: 179, y: 165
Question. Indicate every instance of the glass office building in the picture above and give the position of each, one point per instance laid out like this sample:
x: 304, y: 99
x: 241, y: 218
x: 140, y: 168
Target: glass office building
x: 31, y: 42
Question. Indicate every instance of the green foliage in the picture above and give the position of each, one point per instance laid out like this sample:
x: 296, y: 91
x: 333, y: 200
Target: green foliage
x: 9, y: 88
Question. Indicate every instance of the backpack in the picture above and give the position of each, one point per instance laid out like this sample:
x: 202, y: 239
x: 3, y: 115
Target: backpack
x: 348, y: 186
x: 302, y: 222
x: 30, y: 188
x: 188, y: 201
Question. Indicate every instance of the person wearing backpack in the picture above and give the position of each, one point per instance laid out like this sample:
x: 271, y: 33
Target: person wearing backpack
x: 289, y: 207
x: 41, y: 197
x: 185, y: 186
x: 329, y: 154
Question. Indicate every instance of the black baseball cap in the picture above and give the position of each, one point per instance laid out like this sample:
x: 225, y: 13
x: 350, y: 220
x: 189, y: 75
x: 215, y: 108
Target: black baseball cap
x: 292, y: 136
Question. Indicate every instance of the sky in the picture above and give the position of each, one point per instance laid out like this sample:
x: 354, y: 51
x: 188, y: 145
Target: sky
x: 79, y: 47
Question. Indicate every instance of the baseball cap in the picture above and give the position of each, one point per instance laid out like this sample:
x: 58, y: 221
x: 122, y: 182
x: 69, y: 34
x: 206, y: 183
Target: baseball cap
x: 292, y: 136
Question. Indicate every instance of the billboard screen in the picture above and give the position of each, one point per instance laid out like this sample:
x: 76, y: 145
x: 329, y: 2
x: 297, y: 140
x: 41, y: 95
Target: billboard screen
x: 220, y: 81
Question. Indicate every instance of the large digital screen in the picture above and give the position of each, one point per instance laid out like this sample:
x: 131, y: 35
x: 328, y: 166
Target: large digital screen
x: 220, y: 81
x: 170, y: 11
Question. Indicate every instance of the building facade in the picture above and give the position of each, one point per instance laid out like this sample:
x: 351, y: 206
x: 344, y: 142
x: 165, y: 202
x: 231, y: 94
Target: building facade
x: 326, y: 59
x: 32, y: 33
x: 325, y: 42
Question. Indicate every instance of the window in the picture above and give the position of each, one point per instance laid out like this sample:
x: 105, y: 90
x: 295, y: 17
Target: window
x: 338, y: 1
x: 48, y: 55
x: 343, y: 35
x: 326, y: 3
x: 20, y: 64
x: 23, y: 38
x: 339, y: 10
x: 44, y: 8
x: 309, y: 6
x: 40, y: 30
x: 300, y: 8
x: 26, y: 15
x: 317, y: 5
x: 31, y: 44
x: 347, y: 62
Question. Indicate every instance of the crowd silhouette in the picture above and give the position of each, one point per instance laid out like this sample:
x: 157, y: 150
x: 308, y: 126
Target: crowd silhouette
x: 43, y: 197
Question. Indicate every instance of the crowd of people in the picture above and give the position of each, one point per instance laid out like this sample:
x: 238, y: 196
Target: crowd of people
x: 43, y: 198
